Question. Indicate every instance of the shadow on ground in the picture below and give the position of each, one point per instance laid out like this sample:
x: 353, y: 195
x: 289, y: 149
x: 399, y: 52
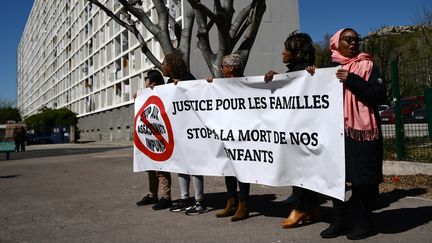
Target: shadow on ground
x: 403, y: 219
x: 394, y: 221
x: 386, y: 222
x: 395, y: 195
x: 9, y: 176
x: 263, y: 204
x: 57, y: 152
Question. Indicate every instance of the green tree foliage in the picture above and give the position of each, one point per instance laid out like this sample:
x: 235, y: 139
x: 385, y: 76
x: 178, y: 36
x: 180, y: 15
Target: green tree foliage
x: 411, y: 49
x: 9, y: 114
x: 51, y: 117
x: 322, y: 52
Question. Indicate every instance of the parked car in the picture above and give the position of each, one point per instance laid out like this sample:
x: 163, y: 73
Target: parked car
x: 388, y: 116
x: 420, y: 115
x: 382, y: 108
x: 408, y: 105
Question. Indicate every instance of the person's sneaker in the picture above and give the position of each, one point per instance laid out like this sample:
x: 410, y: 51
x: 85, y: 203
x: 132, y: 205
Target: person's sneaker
x: 163, y: 203
x: 180, y: 206
x: 146, y: 201
x: 198, y: 208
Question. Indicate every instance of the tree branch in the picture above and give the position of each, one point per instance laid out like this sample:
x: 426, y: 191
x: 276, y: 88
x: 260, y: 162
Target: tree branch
x: 210, y: 25
x: 134, y: 2
x: 197, y: 5
x: 163, y: 35
x: 228, y: 5
x: 186, y: 34
x: 111, y: 14
x: 241, y: 17
x: 203, y: 40
x: 141, y: 16
x: 132, y: 28
x: 175, y: 27
x: 252, y: 30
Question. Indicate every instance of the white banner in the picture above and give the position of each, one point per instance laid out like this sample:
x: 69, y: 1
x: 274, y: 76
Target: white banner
x: 286, y: 132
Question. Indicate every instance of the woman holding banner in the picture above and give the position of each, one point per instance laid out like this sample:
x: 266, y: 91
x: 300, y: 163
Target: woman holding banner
x: 155, y: 178
x: 363, y: 91
x: 174, y: 67
x: 232, y: 66
x: 299, y: 54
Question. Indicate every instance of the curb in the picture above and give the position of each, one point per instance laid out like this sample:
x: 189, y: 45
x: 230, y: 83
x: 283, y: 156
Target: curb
x: 406, y: 168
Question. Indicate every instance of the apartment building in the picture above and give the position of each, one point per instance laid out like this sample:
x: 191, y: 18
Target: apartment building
x: 71, y: 54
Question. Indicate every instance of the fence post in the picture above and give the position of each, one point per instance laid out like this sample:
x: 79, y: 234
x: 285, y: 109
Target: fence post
x: 428, y: 103
x: 399, y: 125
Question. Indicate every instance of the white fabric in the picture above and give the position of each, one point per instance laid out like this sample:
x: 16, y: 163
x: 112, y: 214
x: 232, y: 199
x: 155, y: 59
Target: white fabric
x: 238, y: 126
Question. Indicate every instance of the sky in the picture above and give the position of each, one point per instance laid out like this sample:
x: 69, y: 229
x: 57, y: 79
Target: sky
x: 320, y: 17
x: 13, y: 17
x: 317, y: 18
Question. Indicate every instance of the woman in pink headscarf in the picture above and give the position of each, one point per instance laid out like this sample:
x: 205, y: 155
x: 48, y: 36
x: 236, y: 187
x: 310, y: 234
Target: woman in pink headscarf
x: 363, y: 91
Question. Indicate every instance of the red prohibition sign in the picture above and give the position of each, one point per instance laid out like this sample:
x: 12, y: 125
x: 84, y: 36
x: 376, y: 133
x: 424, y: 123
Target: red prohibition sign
x: 169, y: 145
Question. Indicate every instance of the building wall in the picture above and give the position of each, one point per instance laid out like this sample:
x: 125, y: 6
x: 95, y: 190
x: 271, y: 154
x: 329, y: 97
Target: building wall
x: 110, y: 125
x: 73, y: 55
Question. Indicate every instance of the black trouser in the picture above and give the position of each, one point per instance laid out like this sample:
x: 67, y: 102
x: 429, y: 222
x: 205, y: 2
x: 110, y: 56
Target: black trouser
x: 304, y: 199
x: 359, y: 207
x: 231, y: 185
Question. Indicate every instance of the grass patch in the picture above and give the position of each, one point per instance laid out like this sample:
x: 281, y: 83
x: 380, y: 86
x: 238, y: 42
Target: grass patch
x: 417, y: 149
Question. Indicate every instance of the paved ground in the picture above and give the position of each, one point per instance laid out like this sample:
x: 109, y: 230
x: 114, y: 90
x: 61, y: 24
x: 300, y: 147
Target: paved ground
x: 87, y: 193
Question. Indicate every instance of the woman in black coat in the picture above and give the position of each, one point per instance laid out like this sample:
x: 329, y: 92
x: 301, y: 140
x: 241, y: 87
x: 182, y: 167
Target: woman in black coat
x: 363, y: 91
x: 299, y: 54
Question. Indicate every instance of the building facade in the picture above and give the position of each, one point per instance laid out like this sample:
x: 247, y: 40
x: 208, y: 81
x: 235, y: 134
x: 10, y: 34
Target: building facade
x: 71, y: 54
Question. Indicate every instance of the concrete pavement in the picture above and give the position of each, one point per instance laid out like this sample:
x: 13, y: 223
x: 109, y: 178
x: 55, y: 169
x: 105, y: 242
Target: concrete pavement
x: 87, y: 193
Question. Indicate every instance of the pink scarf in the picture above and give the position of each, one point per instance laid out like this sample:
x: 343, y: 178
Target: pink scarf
x: 360, y: 122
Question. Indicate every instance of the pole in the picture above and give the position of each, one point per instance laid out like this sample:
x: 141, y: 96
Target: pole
x: 399, y: 126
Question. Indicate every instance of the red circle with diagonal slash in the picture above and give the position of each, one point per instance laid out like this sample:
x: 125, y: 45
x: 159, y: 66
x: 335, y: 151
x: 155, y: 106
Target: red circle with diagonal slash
x: 169, y: 145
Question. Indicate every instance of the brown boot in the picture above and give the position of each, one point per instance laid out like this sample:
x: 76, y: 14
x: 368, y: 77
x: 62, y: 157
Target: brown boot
x: 294, y: 219
x: 229, y: 210
x: 242, y: 211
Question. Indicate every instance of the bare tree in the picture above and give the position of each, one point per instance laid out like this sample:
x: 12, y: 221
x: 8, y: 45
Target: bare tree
x: 423, y: 19
x: 423, y: 16
x: 384, y: 48
x: 230, y: 30
x: 159, y: 30
x: 4, y: 103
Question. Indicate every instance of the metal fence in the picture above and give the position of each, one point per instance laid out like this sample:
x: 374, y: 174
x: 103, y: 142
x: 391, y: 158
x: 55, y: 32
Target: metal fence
x: 404, y: 137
